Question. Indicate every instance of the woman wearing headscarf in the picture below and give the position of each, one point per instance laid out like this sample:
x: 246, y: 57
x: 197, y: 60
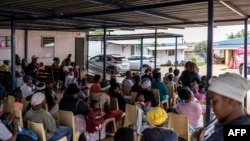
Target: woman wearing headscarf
x: 71, y: 102
x: 157, y: 117
x: 39, y: 115
x: 148, y: 95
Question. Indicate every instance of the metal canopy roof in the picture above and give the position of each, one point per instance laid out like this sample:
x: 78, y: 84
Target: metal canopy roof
x: 132, y: 36
x: 91, y: 14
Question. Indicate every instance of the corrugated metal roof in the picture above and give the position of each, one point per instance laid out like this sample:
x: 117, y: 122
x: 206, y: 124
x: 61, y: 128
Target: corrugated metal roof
x: 92, y: 14
x: 230, y: 43
x: 167, y: 48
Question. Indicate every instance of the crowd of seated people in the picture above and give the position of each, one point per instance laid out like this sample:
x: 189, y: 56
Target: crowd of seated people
x: 189, y: 86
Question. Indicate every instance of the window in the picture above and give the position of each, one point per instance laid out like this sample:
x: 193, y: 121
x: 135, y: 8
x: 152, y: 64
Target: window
x: 171, y: 53
x: 48, y: 41
x: 5, y: 41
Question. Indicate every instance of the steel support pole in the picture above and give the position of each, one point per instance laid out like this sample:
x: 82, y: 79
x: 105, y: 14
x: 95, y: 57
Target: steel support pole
x: 26, y: 44
x: 155, y: 53
x: 176, y: 53
x: 245, y: 54
x: 141, y: 61
x: 87, y: 50
x: 13, y: 55
x: 209, y: 52
x: 104, y: 53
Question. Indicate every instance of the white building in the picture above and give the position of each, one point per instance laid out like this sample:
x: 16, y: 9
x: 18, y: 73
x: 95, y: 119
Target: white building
x: 168, y: 53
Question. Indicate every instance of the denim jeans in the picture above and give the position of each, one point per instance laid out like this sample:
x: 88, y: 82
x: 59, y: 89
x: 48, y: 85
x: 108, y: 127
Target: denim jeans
x: 2, y: 91
x: 60, y: 132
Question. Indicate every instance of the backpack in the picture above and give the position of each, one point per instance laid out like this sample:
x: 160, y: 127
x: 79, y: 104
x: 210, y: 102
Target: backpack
x: 23, y: 134
x: 94, y: 120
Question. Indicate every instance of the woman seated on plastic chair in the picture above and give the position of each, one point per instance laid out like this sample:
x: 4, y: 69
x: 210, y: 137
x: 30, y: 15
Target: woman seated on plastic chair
x: 70, y: 102
x: 190, y: 108
x: 157, y: 117
x: 39, y: 115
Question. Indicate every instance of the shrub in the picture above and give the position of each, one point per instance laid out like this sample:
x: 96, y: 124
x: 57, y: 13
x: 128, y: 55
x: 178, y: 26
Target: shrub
x: 193, y: 59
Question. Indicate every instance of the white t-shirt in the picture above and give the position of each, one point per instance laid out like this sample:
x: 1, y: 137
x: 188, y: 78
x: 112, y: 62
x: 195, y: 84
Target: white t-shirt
x: 19, y: 80
x: 5, y: 134
x: 69, y: 79
x: 66, y: 68
x: 27, y: 90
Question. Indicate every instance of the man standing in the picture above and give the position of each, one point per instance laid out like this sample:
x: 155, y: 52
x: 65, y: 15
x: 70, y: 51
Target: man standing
x: 33, y: 68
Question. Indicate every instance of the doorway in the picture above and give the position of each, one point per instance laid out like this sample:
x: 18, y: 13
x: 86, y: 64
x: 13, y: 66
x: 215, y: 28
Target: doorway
x: 79, y: 51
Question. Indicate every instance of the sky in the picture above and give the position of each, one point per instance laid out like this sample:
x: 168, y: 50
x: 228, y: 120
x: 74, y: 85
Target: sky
x: 196, y: 34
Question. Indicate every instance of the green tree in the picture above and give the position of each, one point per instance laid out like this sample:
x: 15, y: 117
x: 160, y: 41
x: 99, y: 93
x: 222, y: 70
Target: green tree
x: 237, y: 35
x: 96, y: 32
x: 153, y: 44
x: 201, y: 47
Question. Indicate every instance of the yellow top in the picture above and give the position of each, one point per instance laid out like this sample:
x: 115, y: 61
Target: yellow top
x: 4, y: 67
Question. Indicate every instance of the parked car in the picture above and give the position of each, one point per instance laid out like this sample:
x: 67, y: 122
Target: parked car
x: 241, y: 69
x: 114, y: 64
x: 148, y: 60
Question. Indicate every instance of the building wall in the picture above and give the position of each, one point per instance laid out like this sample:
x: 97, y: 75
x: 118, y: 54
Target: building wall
x: 64, y: 44
x: 163, y: 56
x: 95, y: 48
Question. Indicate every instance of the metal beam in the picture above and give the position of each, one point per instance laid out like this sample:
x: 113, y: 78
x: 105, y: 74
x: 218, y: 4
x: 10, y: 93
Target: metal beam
x: 9, y: 11
x: 104, y: 54
x: 13, y: 55
x: 245, y: 54
x: 233, y: 8
x: 209, y: 52
x: 176, y: 52
x: 147, y: 12
x: 141, y: 61
x: 155, y: 53
x: 26, y: 32
x: 114, y: 11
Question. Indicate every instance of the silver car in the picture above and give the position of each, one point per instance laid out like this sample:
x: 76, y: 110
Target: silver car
x: 114, y: 64
x: 148, y: 60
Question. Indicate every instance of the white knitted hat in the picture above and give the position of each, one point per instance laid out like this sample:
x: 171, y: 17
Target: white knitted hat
x: 230, y: 85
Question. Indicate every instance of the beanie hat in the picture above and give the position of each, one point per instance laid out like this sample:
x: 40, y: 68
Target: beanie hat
x: 157, y: 116
x: 72, y: 89
x: 37, y: 98
x: 146, y: 83
x: 230, y: 85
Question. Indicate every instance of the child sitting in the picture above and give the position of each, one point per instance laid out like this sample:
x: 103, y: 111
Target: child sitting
x: 190, y: 108
x: 171, y: 82
x: 141, y: 104
x: 117, y: 114
x: 197, y: 95
x: 18, y: 98
x: 202, y: 89
x: 70, y: 78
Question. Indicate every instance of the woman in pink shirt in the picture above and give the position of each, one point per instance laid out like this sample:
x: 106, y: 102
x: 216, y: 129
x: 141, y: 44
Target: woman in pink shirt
x: 190, y: 108
x: 18, y: 97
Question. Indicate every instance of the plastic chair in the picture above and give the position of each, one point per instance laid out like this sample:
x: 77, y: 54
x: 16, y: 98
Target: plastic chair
x: 114, y: 104
x: 133, y: 97
x: 130, y: 115
x: 39, y: 130
x: 111, y: 120
x: 66, y: 118
x: 11, y: 100
x: 172, y: 96
x: 157, y: 97
x: 18, y: 113
x: 182, y: 127
x: 125, y: 91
